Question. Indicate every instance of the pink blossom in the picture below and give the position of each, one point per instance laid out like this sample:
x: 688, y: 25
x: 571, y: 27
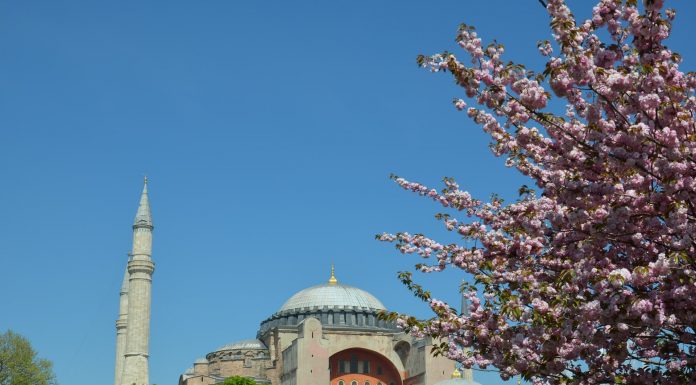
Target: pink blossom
x: 589, y: 276
x: 545, y: 48
x: 459, y: 104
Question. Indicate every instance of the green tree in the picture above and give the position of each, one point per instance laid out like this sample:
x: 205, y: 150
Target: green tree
x: 19, y: 364
x: 237, y: 380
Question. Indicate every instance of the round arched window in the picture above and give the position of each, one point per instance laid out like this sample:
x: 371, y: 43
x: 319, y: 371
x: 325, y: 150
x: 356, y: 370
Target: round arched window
x: 341, y: 382
x: 354, y: 383
x: 367, y: 382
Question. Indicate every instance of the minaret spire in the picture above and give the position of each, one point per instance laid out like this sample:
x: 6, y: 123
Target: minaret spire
x: 333, y: 280
x: 143, y: 217
x: 140, y: 269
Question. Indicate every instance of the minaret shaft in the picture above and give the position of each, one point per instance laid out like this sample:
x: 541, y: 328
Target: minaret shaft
x: 135, y: 370
x: 121, y: 324
x: 140, y: 270
x: 468, y: 374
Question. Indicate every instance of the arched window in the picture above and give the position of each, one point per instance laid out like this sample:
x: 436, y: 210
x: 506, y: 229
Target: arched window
x: 341, y: 382
x: 354, y: 365
x: 354, y: 382
x: 367, y: 382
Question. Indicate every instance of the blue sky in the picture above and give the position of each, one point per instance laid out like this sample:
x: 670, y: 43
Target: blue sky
x: 268, y: 131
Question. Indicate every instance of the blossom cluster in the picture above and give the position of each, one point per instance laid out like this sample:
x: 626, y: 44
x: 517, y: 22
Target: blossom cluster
x: 593, y: 280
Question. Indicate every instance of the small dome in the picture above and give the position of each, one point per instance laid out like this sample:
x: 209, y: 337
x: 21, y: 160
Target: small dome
x: 457, y: 381
x: 467, y: 378
x: 252, y: 344
x: 332, y: 295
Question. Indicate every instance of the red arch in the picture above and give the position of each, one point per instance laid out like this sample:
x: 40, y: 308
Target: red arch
x: 381, y: 369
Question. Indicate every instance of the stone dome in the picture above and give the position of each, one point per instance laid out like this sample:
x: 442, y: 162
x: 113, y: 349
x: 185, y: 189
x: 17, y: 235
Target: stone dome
x: 332, y: 296
x: 251, y: 344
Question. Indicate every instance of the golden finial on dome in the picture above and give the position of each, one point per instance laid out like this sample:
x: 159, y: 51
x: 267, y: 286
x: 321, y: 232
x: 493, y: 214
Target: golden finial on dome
x: 332, y: 280
x: 456, y: 373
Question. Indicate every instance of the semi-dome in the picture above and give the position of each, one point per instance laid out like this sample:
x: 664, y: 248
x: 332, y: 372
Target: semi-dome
x: 332, y: 295
x: 253, y: 344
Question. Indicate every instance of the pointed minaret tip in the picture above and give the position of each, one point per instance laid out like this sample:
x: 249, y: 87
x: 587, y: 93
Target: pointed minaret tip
x: 125, y: 283
x: 333, y: 280
x: 143, y: 218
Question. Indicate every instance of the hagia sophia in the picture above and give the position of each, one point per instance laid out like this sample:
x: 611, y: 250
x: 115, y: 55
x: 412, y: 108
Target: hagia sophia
x: 326, y: 334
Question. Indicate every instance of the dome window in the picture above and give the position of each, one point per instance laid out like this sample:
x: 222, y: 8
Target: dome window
x: 366, y: 367
x: 354, y: 365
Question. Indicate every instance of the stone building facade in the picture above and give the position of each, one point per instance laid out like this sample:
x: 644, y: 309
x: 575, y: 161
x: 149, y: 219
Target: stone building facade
x: 327, y: 334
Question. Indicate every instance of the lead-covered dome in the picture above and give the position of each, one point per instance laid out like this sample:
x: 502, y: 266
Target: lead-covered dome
x: 334, y: 305
x: 250, y: 344
x: 238, y: 351
x: 460, y: 379
x: 332, y: 296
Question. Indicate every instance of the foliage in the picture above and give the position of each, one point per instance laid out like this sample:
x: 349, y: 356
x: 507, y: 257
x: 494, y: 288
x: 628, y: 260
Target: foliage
x: 593, y: 279
x: 19, y: 364
x: 238, y: 380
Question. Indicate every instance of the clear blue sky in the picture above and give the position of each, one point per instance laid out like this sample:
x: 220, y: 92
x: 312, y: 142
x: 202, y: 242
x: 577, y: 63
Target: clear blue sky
x: 268, y: 130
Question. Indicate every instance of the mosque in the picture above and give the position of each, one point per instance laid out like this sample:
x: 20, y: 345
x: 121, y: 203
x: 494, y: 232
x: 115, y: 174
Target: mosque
x: 326, y: 334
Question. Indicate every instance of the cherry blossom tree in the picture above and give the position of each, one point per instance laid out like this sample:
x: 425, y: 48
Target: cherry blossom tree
x: 592, y: 278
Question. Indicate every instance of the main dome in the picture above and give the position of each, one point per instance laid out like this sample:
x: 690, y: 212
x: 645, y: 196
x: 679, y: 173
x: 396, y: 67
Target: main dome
x: 334, y: 305
x: 332, y: 296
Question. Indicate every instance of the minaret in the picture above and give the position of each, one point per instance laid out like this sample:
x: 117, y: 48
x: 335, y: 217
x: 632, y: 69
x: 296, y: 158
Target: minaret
x: 140, y: 269
x: 121, y: 323
x: 467, y: 374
